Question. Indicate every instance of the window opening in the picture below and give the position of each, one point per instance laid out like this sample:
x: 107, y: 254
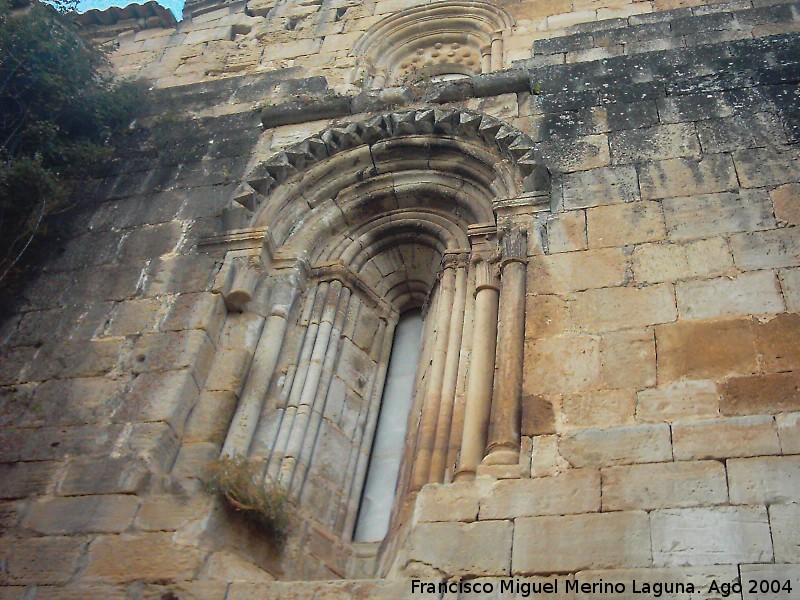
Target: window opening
x: 390, y: 436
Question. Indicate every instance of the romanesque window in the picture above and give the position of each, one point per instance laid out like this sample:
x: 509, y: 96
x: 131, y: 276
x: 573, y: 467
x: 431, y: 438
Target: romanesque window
x: 441, y: 40
x: 421, y: 210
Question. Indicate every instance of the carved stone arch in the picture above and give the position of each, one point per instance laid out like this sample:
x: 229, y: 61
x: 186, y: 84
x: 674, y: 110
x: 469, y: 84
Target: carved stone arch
x: 358, y: 224
x: 452, y: 37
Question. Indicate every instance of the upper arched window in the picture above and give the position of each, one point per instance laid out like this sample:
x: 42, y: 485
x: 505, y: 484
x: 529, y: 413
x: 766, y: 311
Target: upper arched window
x: 446, y: 38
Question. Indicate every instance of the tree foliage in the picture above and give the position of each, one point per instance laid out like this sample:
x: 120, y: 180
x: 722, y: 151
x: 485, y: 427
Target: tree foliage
x: 59, y: 111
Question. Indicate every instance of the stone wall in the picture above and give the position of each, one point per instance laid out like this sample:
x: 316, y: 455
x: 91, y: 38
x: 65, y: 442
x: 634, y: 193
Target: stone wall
x: 659, y: 409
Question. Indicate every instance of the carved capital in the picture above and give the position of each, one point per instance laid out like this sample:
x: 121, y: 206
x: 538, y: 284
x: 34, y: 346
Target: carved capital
x: 246, y: 272
x: 513, y: 245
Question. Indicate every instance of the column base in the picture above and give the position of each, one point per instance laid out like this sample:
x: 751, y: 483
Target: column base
x: 501, y: 455
x: 464, y: 475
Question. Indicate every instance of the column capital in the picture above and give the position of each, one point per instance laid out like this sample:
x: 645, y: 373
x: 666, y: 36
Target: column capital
x: 513, y: 246
x: 454, y: 259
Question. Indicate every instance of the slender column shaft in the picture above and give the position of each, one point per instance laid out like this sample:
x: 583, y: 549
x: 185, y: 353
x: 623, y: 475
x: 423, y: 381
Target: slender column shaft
x: 245, y: 420
x: 481, y: 375
x: 318, y: 406
x: 486, y: 59
x: 504, y: 430
x: 459, y: 403
x: 316, y: 300
x: 430, y: 410
x: 448, y: 393
x: 497, y: 52
x: 303, y: 414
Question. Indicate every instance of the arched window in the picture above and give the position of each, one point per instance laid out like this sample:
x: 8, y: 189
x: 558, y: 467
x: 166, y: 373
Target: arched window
x: 390, y: 436
x: 451, y: 37
x: 417, y: 209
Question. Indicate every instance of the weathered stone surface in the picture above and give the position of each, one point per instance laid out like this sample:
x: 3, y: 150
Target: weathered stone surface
x: 538, y: 415
x: 623, y: 224
x: 664, y: 485
x: 462, y: 548
x: 789, y: 432
x: 617, y: 446
x: 654, y: 143
x: 47, y: 560
x: 764, y: 480
x: 545, y: 458
x: 198, y: 590
x: 687, y: 177
x: 73, y: 401
x: 587, y: 152
x: 785, y: 521
x: 712, y: 214
x: 767, y: 166
x: 597, y: 409
x: 609, y: 309
x: 786, y: 200
x: 705, y: 350
x: 710, y: 536
x: 567, y: 232
x: 82, y: 514
x: 167, y: 397
x: 147, y: 557
x: 751, y: 293
x: 227, y: 566
x: 760, y: 394
x: 573, y: 271
x: 778, y: 342
x: 164, y: 513
x: 766, y: 249
x: 561, y: 365
x: 678, y: 401
x: 755, y: 574
x: 607, y: 185
x: 654, y: 263
x: 545, y: 316
x: 628, y: 359
x: 669, y: 580
x: 103, y: 475
x: 574, y: 492
x: 454, y: 502
x: 575, y: 542
x: 725, y: 437
x: 23, y: 479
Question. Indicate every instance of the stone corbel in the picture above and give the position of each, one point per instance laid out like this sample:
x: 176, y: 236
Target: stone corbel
x: 248, y: 261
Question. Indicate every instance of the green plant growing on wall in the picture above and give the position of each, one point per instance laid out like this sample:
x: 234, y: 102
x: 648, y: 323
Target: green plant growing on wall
x: 245, y: 488
x: 59, y: 116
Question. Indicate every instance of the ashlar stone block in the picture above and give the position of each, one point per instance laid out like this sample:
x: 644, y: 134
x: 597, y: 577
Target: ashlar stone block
x: 610, y: 309
x: 764, y: 480
x: 574, y: 542
x: 725, y: 437
x: 710, y: 536
x: 751, y: 293
x: 623, y: 224
x: 705, y: 350
x: 785, y: 523
x: 575, y: 491
x: 678, y: 401
x: 479, y: 548
x: 654, y: 263
x: 147, y: 557
x: 606, y: 185
x: 82, y: 514
x: 664, y: 485
x: 687, y: 177
x: 617, y: 446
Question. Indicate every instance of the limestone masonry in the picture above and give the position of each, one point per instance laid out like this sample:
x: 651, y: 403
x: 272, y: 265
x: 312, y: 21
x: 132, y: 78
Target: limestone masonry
x: 592, y: 205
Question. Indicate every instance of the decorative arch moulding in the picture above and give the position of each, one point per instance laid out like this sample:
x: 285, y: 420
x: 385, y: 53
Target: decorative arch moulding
x: 445, y: 38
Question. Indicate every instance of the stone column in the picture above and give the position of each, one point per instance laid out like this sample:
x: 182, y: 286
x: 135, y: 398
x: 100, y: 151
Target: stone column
x: 486, y: 59
x: 430, y: 410
x: 448, y: 392
x: 243, y: 426
x: 315, y: 299
x: 459, y: 403
x: 484, y: 345
x: 497, y: 51
x: 504, y: 429
x: 321, y: 348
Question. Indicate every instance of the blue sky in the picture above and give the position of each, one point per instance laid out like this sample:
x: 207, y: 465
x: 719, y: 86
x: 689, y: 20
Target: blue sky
x: 176, y: 6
